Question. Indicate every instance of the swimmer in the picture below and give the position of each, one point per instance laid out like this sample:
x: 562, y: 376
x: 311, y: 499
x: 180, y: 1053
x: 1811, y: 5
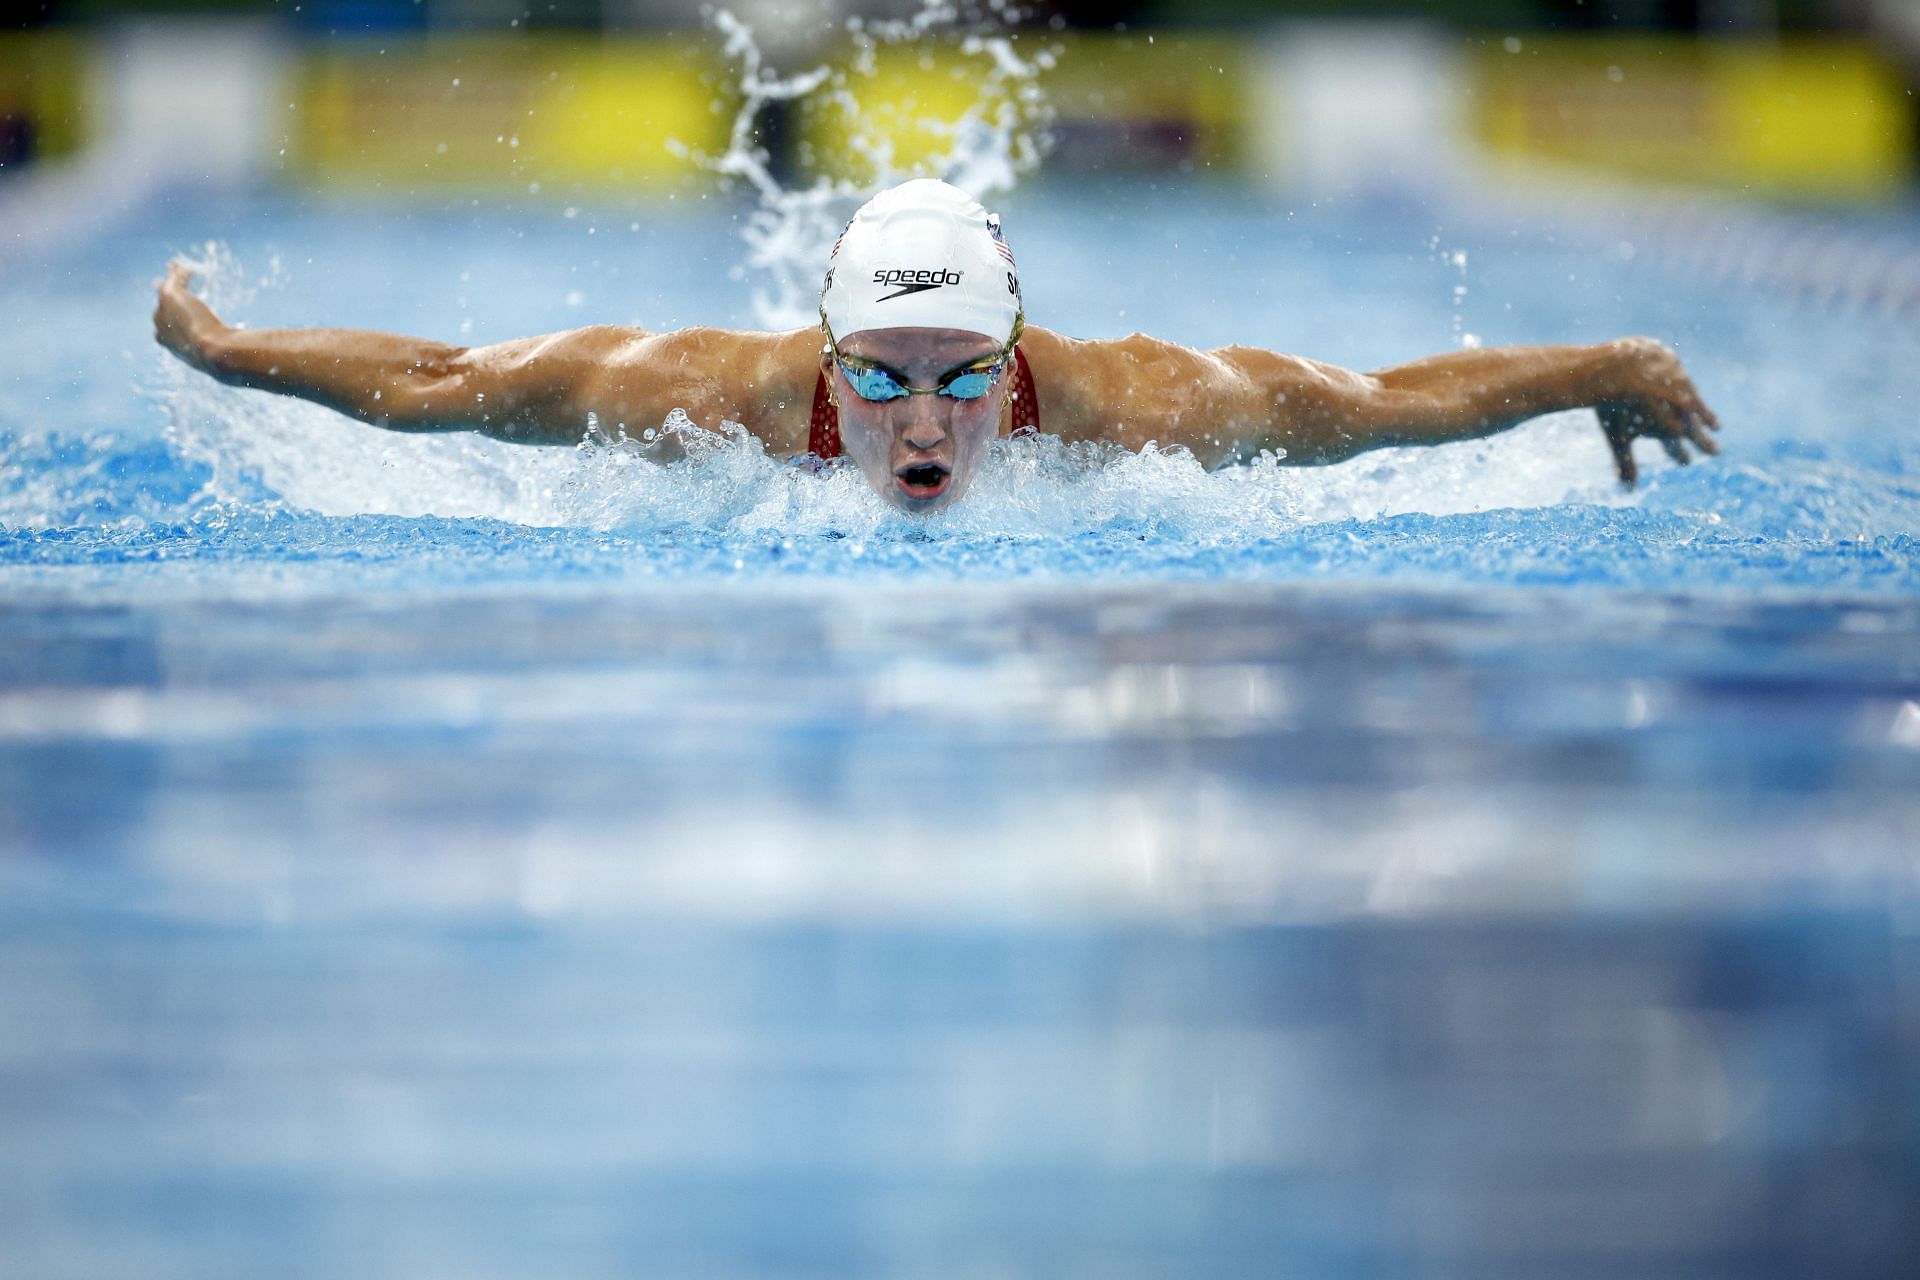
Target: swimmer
x: 923, y: 356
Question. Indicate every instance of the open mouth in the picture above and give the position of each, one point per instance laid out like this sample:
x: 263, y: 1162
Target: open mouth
x: 923, y: 481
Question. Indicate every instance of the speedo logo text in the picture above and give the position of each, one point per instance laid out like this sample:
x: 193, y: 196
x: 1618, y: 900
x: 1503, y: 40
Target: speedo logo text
x: 909, y: 280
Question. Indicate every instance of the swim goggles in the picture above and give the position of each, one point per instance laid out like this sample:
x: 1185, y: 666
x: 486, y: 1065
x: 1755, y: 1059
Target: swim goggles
x: 876, y: 382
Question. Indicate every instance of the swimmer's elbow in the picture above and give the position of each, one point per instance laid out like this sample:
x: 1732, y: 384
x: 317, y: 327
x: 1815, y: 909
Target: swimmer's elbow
x: 432, y: 394
x: 1337, y: 414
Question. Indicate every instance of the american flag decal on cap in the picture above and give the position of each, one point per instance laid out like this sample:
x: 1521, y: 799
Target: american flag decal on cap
x: 999, y: 238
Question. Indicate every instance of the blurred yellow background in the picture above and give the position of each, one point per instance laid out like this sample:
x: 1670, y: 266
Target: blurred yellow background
x: 1805, y: 116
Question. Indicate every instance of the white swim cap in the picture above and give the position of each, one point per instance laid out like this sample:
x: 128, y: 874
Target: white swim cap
x: 925, y: 255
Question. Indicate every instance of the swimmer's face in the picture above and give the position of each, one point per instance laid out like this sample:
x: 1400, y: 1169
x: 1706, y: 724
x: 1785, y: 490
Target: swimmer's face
x: 919, y: 452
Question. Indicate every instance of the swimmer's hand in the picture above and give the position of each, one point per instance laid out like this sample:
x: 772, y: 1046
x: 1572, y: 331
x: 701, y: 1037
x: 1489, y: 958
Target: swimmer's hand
x: 1645, y: 392
x: 182, y: 323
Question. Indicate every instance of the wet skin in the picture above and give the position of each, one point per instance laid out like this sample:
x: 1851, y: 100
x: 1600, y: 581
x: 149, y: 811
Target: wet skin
x: 1220, y: 404
x: 919, y: 452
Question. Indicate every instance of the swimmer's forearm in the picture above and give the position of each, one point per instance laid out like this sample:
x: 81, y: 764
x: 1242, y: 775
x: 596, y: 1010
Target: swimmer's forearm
x: 385, y: 380
x: 1479, y: 392
x: 388, y: 380
x: 1457, y: 395
x: 1637, y: 387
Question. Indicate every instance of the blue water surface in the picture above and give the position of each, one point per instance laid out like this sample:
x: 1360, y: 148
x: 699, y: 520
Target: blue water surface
x: 425, y: 856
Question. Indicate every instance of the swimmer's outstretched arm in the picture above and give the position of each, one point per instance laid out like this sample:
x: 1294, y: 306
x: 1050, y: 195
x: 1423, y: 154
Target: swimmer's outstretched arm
x: 388, y: 380
x: 529, y: 391
x: 1236, y: 399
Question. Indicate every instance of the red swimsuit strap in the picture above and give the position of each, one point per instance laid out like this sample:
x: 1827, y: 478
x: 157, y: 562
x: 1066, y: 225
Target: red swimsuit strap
x: 1026, y: 404
x: 823, y: 435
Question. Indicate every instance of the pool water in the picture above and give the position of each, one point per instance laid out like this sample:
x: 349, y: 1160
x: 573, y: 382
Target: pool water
x: 426, y: 856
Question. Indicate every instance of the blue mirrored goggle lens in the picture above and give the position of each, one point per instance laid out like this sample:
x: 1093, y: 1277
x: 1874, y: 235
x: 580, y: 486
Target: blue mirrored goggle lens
x: 970, y: 386
x: 878, y: 384
x: 874, y: 384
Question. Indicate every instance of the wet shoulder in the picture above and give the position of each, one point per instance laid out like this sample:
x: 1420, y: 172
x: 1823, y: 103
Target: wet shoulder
x: 1128, y: 390
x: 762, y: 380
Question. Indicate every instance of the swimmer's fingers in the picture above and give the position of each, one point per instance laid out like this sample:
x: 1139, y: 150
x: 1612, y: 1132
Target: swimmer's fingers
x: 1667, y: 418
x: 1623, y: 462
x: 1678, y: 425
x: 1673, y: 426
x: 177, y: 285
x: 1689, y: 396
x: 1613, y: 424
x: 1697, y: 418
x: 1686, y: 424
x: 182, y: 322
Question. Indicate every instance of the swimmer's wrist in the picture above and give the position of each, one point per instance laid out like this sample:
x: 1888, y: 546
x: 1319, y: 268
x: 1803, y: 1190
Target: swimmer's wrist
x: 235, y: 357
x: 1605, y: 368
x: 220, y: 351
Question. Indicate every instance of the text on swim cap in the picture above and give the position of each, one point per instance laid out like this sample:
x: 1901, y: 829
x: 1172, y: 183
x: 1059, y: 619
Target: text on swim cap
x: 902, y: 275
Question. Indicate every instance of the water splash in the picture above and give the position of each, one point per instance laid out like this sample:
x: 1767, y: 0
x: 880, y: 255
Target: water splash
x: 221, y: 280
x: 1457, y: 260
x: 788, y: 236
x: 270, y: 453
x: 264, y: 451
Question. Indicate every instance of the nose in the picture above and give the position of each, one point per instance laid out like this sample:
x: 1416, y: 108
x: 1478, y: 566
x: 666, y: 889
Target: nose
x: 926, y: 424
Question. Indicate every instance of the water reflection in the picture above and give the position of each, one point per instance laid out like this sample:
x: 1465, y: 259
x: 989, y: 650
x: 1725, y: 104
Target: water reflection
x: 1124, y: 930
